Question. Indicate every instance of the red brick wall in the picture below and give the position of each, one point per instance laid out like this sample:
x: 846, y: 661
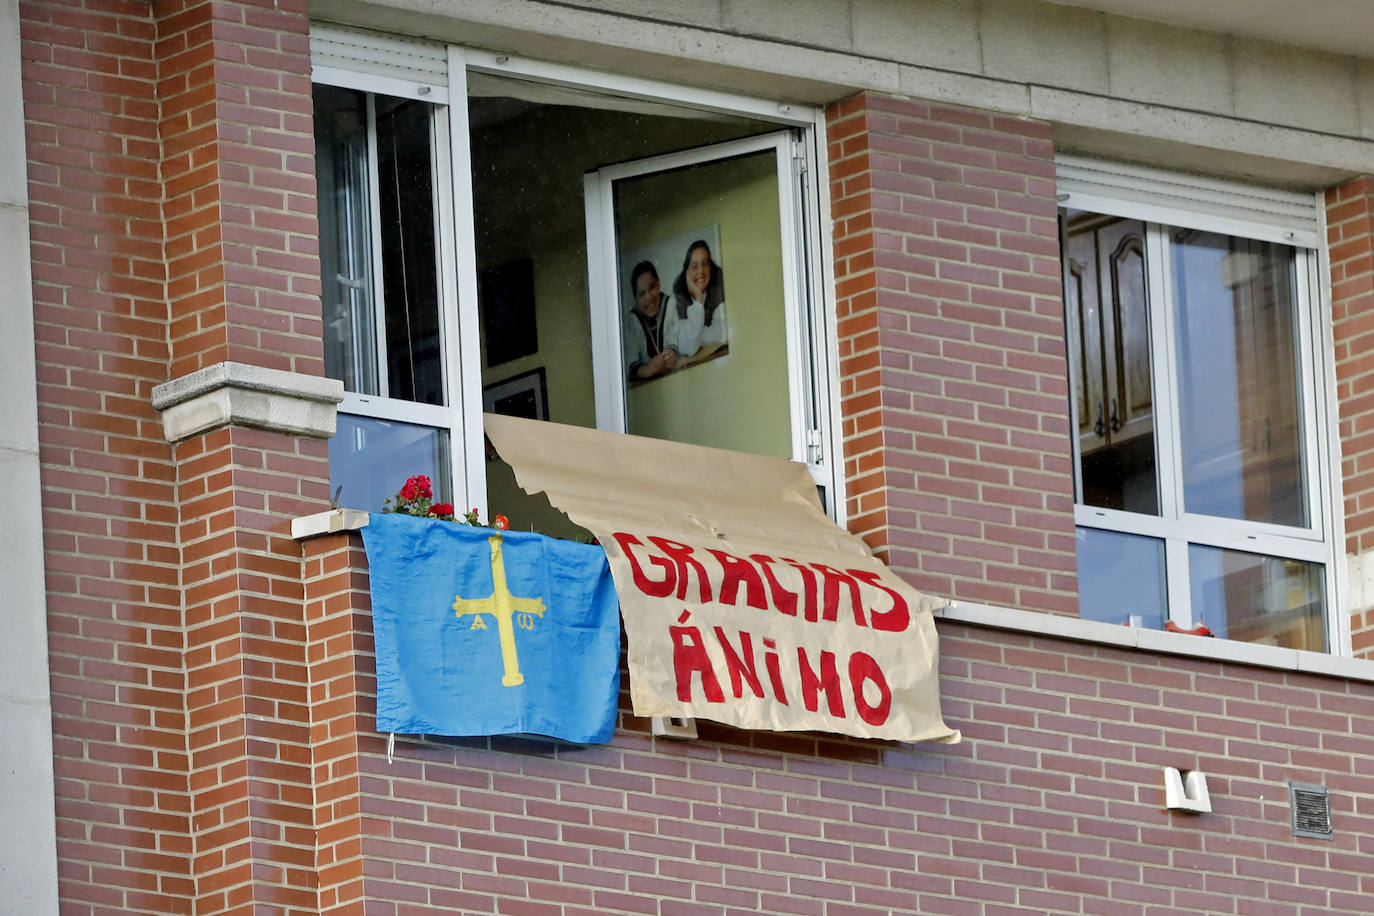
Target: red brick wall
x: 247, y: 698
x: 953, y: 367
x: 1350, y: 234
x: 339, y: 634
x: 1052, y: 804
x: 171, y: 184
x: 109, y: 493
x: 243, y: 285
x: 239, y: 170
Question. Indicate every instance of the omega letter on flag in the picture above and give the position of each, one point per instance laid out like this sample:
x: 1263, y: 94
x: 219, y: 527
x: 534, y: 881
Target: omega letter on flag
x: 485, y: 632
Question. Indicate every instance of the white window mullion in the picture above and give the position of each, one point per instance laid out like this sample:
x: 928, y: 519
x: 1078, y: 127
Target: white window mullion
x: 1326, y: 460
x: 798, y: 374
x: 1075, y: 334
x: 1164, y: 369
x: 449, y: 316
x: 608, y: 363
x: 469, y: 445
x: 1179, y: 582
x: 818, y: 242
x: 415, y: 412
x: 374, y: 203
x: 1312, y: 415
x: 1226, y: 533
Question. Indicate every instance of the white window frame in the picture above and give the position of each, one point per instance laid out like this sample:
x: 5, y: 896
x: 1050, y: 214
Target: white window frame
x: 437, y: 74
x: 1155, y: 198
x: 607, y: 327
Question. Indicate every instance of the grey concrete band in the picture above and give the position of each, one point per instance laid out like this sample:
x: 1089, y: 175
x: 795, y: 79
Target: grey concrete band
x: 238, y: 394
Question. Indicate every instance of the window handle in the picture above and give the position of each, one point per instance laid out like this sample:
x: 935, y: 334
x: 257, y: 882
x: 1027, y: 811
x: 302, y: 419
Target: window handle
x: 1098, y: 427
x: 1116, y: 423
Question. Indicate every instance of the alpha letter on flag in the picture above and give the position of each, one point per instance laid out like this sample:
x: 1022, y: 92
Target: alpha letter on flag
x: 484, y: 632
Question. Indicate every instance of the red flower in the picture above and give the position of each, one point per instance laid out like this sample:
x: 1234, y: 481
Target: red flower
x: 416, y: 487
x: 501, y: 522
x: 441, y: 509
x: 1199, y: 630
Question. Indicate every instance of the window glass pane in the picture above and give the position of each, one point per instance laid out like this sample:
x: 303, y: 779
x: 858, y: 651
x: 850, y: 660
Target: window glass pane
x: 1121, y: 578
x: 1256, y: 598
x: 696, y: 370
x: 350, y: 335
x: 405, y: 178
x: 371, y: 459
x: 1105, y: 289
x: 1240, y: 412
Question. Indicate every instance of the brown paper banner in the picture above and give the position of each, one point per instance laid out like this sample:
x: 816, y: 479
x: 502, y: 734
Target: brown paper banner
x: 743, y: 602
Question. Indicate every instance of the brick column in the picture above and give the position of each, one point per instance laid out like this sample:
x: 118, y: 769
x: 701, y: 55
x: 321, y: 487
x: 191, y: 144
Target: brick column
x: 1350, y: 235
x: 244, y: 324
x: 953, y: 366
x: 343, y: 690
x: 237, y: 129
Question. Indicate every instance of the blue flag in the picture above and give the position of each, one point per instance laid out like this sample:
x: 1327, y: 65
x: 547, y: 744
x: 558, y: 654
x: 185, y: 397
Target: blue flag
x: 485, y: 632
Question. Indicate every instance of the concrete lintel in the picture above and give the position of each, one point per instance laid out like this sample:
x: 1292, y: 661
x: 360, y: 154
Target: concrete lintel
x: 237, y: 393
x: 619, y: 43
x: 331, y: 522
x: 771, y: 62
x: 1197, y: 141
x: 966, y: 90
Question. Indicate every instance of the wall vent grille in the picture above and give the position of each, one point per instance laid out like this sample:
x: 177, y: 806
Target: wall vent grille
x: 1311, y: 807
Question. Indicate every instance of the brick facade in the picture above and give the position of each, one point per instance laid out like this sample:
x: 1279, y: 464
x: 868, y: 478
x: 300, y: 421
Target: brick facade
x: 172, y: 180
x: 109, y: 479
x: 953, y: 368
x: 1053, y: 803
x: 212, y: 679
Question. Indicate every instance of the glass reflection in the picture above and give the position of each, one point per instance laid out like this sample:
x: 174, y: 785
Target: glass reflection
x: 1105, y: 291
x: 410, y: 283
x: 1121, y: 578
x: 371, y: 459
x: 698, y: 371
x: 350, y: 336
x: 397, y: 238
x: 1259, y: 599
x: 1240, y: 413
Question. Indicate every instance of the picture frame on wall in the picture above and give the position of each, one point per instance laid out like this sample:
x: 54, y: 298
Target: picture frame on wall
x: 673, y: 303
x: 525, y: 395
x: 509, y: 325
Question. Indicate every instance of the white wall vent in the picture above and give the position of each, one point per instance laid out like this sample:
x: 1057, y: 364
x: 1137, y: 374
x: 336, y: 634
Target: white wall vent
x: 678, y: 727
x: 1311, y: 808
x: 1190, y: 201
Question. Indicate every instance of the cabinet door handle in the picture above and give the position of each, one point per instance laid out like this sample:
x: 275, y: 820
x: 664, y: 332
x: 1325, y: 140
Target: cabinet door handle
x: 1116, y: 423
x: 1098, y: 427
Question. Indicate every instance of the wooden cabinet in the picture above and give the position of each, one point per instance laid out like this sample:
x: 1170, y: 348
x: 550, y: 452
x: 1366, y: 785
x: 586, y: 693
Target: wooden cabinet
x: 1105, y: 289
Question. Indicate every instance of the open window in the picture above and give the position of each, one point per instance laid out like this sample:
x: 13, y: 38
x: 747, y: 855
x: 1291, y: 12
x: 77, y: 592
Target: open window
x: 702, y: 332
x: 1201, y: 445
x: 480, y: 221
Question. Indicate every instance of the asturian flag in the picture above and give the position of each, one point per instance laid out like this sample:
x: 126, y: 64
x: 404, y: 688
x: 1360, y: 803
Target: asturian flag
x: 486, y: 632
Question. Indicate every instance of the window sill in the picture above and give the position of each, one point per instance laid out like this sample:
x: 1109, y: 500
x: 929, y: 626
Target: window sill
x: 1157, y: 641
x: 331, y: 522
